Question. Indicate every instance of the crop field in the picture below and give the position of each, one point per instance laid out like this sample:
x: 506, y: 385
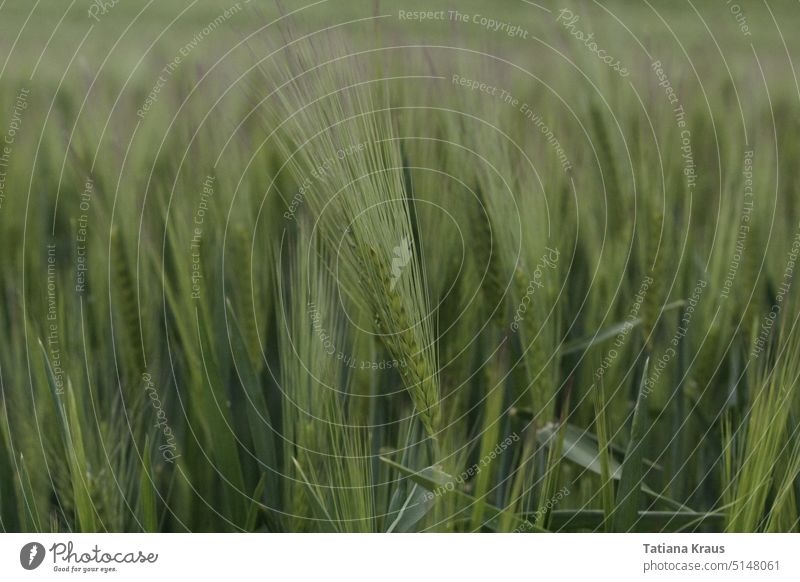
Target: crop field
x: 399, y: 266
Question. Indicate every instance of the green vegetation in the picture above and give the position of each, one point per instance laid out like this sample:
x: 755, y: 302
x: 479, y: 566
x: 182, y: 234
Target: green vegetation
x: 398, y: 276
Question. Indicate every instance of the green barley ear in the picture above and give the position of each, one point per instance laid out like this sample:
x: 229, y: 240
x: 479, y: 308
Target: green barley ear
x: 340, y: 141
x: 606, y: 152
x: 653, y: 266
x: 123, y: 289
x: 399, y: 328
x: 400, y: 340
x: 537, y: 328
x: 748, y: 309
x: 487, y: 258
x: 249, y: 293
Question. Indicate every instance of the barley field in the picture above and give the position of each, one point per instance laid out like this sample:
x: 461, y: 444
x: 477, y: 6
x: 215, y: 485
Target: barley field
x: 399, y: 266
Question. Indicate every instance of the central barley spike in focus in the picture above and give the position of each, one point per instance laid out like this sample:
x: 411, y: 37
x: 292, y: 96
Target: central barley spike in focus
x: 344, y: 142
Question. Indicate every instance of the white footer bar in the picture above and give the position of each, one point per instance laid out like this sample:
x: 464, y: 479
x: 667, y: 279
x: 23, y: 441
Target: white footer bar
x: 331, y: 557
